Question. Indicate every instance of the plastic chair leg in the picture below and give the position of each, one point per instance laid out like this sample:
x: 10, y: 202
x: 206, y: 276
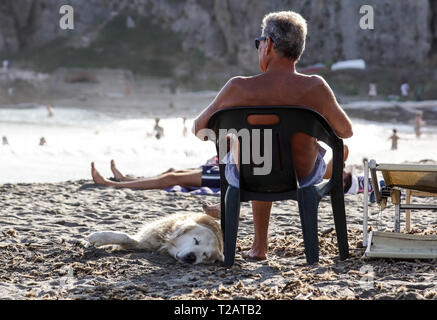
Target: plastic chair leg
x: 308, y: 200
x: 337, y: 201
x: 232, y: 215
x: 223, y: 190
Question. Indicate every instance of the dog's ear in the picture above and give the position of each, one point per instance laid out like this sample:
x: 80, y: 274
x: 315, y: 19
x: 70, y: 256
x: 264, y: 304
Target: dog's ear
x: 179, y: 231
x: 210, y: 223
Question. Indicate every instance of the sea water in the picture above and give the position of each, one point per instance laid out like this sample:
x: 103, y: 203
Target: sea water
x: 75, y: 137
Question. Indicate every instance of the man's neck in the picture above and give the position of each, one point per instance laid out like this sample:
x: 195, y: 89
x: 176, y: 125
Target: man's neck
x: 281, y: 65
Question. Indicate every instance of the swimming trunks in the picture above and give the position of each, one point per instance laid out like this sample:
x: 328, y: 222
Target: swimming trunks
x: 210, y: 176
x: 315, y: 177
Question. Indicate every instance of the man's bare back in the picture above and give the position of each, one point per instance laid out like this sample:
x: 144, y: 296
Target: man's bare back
x: 284, y: 88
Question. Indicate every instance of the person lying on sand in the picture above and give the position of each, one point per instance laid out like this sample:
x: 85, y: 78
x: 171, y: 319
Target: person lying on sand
x: 206, y: 176
x: 279, y: 47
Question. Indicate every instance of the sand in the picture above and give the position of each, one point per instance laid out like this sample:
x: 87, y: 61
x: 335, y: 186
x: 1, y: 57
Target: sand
x: 44, y: 253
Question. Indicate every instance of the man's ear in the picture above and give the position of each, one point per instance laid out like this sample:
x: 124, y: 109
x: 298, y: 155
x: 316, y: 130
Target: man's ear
x: 269, y: 46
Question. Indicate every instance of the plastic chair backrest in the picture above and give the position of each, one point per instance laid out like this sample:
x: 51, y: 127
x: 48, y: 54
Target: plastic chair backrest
x: 292, y: 120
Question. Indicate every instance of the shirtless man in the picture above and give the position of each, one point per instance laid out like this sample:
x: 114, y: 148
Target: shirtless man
x: 279, y: 48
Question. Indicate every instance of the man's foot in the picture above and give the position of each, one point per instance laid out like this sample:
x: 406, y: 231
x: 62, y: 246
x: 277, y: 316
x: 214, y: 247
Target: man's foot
x: 212, y: 210
x: 98, y: 178
x: 118, y: 176
x: 253, y: 255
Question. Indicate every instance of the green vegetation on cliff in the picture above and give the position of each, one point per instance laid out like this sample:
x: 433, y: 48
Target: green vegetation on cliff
x: 147, y: 49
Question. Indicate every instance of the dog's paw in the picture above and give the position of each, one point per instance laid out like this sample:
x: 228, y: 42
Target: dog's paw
x: 96, y: 239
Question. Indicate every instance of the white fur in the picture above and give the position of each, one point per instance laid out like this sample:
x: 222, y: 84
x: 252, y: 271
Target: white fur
x: 189, y: 238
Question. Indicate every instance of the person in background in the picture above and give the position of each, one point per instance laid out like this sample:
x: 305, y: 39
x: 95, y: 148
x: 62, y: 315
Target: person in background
x: 5, y: 141
x: 418, y: 123
x: 405, y: 91
x: 50, y: 111
x: 419, y: 92
x: 158, y: 130
x: 184, y: 130
x: 372, y: 91
x: 207, y: 175
x: 42, y: 141
x: 5, y: 65
x: 394, y: 140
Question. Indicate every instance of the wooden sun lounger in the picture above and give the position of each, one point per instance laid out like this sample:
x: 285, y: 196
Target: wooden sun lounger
x: 415, y: 179
x: 408, y: 201
x: 403, y: 246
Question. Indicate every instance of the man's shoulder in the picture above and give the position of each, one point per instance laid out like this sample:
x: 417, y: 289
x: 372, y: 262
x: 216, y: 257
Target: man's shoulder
x: 315, y: 80
x: 242, y: 80
x: 235, y: 82
x: 314, y: 84
x: 243, y: 84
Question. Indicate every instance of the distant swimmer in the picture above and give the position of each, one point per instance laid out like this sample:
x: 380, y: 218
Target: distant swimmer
x: 418, y: 123
x: 158, y: 130
x: 42, y: 141
x: 394, y: 140
x: 185, y: 130
x: 5, y: 141
x: 50, y: 111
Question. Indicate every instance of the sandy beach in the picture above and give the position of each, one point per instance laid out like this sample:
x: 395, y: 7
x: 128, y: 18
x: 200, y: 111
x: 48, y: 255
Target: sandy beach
x: 44, y: 226
x: 92, y: 82
x: 44, y: 253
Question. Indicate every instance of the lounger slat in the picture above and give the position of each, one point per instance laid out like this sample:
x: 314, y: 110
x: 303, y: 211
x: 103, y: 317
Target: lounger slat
x: 406, y: 167
x: 418, y: 207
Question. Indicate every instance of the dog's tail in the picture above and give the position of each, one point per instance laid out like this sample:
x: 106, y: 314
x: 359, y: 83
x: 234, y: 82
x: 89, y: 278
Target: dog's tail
x: 113, y: 238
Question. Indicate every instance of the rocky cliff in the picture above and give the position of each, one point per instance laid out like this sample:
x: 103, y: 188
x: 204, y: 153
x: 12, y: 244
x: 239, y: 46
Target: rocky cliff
x: 223, y: 30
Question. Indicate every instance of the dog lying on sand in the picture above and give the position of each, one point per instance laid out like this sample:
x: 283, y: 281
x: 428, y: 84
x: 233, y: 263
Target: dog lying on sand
x: 189, y: 238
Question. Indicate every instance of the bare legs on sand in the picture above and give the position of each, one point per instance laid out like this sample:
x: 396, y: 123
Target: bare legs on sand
x: 188, y: 178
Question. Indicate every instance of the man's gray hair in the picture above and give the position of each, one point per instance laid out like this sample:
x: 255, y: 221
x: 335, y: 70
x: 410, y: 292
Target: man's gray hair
x: 288, y: 31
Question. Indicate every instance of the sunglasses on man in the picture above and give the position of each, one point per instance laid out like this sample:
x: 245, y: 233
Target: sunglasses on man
x: 259, y: 39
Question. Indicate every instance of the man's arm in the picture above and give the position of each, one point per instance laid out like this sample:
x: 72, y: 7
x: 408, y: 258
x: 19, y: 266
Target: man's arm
x: 225, y: 98
x: 328, y: 106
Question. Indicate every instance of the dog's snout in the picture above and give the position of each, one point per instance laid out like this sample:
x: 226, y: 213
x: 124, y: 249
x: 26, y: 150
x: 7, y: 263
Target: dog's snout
x: 190, y: 257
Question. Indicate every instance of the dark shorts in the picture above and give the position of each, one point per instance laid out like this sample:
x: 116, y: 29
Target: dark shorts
x: 211, y: 176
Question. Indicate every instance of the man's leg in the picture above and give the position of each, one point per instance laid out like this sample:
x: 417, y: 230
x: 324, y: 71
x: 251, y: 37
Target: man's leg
x: 118, y: 176
x: 261, y: 215
x: 191, y: 178
x: 328, y: 172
